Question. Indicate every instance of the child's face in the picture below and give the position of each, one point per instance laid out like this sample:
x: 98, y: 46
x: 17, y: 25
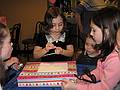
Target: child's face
x: 96, y: 33
x: 89, y: 46
x: 6, y: 47
x: 57, y: 25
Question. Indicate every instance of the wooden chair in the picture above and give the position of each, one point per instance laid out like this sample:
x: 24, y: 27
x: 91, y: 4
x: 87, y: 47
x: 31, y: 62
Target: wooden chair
x: 15, y: 37
x: 30, y: 42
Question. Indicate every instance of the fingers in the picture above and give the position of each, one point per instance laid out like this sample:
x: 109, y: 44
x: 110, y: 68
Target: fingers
x: 49, y: 46
x: 14, y: 60
x: 58, y: 50
x: 11, y: 61
x: 64, y: 84
x: 68, y: 85
x: 17, y: 66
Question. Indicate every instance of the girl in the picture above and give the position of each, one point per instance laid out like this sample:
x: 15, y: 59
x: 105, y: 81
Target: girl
x: 5, y: 62
x: 55, y: 43
x: 104, y: 25
x: 88, y: 58
x: 5, y: 49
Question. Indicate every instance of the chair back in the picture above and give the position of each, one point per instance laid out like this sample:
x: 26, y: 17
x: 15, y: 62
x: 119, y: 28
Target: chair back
x: 15, y: 35
x: 38, y: 29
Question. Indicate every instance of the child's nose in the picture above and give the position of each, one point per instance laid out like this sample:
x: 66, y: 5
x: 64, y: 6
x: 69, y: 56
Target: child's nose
x: 57, y: 26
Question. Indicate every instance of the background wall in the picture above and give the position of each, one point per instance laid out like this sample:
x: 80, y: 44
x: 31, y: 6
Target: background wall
x: 27, y: 12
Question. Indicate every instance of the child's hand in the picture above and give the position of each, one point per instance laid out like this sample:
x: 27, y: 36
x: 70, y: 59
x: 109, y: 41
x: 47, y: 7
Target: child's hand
x: 58, y: 50
x: 12, y: 60
x: 17, y: 66
x: 49, y: 46
x: 68, y: 85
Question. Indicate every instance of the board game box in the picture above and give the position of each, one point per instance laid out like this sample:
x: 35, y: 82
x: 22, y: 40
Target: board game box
x: 42, y: 74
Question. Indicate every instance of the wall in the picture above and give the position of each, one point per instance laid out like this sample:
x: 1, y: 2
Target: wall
x: 27, y: 12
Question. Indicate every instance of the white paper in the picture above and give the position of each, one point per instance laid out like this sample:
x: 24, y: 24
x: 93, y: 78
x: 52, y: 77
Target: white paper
x: 53, y: 67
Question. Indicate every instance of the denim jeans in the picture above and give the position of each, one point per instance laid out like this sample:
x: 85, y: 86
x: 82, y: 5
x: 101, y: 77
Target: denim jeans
x: 11, y: 82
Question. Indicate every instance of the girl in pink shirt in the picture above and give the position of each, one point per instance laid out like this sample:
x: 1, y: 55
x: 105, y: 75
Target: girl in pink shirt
x: 104, y: 26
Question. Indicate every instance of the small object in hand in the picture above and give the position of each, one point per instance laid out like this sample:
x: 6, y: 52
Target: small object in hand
x: 20, y: 65
x: 17, y: 66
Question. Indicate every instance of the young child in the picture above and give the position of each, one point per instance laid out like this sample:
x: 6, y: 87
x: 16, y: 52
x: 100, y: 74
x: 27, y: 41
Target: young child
x: 5, y: 49
x: 5, y: 54
x: 104, y: 26
x: 55, y: 43
x: 118, y: 50
x: 88, y: 58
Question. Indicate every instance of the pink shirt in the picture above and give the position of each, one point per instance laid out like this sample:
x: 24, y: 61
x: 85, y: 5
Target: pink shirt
x: 108, y: 72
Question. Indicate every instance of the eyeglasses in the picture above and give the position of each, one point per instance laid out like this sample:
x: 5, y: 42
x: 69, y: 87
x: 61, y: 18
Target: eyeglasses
x: 88, y: 73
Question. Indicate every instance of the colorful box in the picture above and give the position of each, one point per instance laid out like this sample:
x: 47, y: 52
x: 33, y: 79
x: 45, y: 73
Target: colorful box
x: 46, y: 74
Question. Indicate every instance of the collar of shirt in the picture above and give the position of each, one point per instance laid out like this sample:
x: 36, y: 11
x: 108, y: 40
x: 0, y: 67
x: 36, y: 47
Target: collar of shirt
x: 50, y: 39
